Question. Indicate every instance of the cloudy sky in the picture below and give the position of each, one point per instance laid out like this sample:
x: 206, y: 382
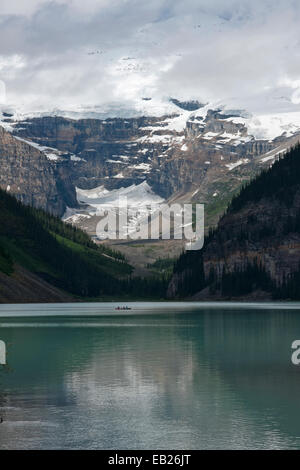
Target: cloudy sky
x: 68, y: 54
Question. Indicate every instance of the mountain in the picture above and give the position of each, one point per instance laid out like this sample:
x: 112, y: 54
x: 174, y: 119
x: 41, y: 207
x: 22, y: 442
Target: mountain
x: 182, y: 151
x: 193, y: 151
x: 44, y: 259
x: 73, y: 167
x: 255, y: 250
x: 25, y: 171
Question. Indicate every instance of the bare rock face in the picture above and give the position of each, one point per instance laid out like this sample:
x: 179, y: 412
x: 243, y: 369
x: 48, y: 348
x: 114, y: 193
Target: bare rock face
x: 117, y: 151
x: 27, y: 173
x: 203, y: 156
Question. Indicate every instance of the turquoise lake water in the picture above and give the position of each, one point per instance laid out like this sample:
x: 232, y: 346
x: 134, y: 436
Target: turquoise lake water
x: 161, y: 376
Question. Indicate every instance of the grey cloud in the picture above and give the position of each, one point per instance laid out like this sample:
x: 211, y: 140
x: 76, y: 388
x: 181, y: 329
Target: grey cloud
x: 215, y: 50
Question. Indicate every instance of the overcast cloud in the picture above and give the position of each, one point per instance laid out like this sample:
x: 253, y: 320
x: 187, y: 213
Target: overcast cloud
x: 69, y: 53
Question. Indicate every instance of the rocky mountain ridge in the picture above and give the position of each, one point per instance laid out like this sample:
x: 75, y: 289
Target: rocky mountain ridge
x: 196, y: 153
x: 25, y: 172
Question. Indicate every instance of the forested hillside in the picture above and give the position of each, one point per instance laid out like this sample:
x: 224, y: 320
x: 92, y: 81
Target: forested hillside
x: 62, y: 256
x: 256, y: 246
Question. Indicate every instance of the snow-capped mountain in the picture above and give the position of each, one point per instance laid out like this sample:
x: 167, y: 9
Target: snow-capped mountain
x: 182, y: 150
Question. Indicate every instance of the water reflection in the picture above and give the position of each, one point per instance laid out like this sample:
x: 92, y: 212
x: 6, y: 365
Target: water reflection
x: 205, y: 378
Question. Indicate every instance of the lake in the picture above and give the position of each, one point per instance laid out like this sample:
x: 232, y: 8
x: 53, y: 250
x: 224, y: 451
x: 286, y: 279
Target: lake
x: 169, y: 375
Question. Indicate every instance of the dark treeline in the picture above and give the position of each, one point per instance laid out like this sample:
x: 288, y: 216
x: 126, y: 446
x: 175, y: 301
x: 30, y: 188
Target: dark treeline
x: 239, y: 282
x: 278, y: 182
x: 54, y: 224
x: 243, y: 282
x: 6, y: 261
x: 280, y: 187
x: 65, y: 256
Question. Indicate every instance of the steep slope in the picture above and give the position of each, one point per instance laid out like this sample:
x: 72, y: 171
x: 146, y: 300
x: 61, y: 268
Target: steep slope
x: 196, y: 151
x: 256, y: 246
x: 26, y: 172
x: 23, y: 286
x: 37, y: 249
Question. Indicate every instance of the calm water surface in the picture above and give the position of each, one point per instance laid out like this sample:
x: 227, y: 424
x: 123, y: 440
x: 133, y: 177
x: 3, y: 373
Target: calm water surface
x: 164, y: 375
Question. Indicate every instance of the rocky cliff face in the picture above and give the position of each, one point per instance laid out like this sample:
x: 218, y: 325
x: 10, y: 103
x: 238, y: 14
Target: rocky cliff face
x: 197, y: 153
x: 26, y: 172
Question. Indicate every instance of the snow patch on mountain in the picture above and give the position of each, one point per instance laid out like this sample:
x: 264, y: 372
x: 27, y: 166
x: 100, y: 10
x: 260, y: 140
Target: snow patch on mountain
x: 137, y: 195
x: 51, y: 153
x: 242, y: 161
x: 158, y: 138
x: 174, y: 119
x: 142, y: 166
x: 273, y: 154
x: 72, y: 216
x: 209, y: 135
x: 270, y: 126
x: 139, y: 198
